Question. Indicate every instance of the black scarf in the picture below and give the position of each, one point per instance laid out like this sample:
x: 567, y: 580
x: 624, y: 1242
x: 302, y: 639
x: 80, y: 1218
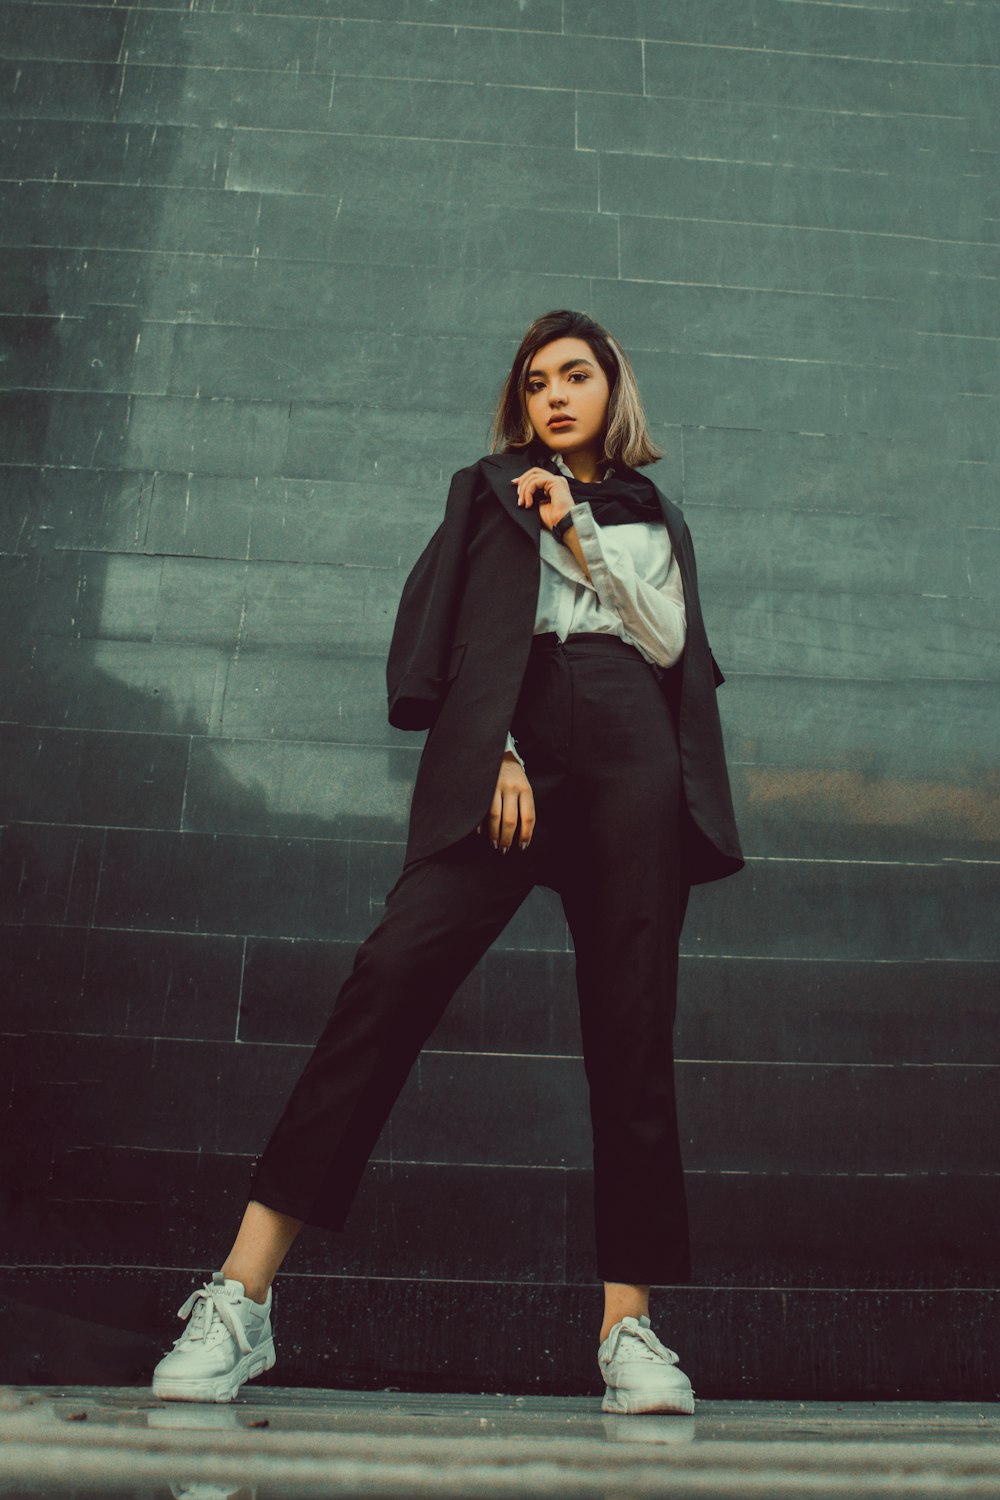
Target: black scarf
x: 626, y: 495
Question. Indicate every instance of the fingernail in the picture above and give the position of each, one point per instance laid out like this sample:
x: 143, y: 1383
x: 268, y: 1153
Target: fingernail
x: 494, y: 843
x: 506, y: 848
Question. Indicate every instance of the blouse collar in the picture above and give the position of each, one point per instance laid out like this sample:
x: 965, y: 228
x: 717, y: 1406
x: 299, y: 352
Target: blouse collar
x: 559, y: 463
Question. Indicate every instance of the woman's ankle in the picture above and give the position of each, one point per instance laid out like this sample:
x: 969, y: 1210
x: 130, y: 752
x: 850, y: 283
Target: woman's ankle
x: 622, y: 1300
x: 263, y: 1240
x: 253, y: 1288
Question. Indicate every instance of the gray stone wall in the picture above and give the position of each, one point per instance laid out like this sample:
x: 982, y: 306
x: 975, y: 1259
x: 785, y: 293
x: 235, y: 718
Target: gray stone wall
x: 263, y: 269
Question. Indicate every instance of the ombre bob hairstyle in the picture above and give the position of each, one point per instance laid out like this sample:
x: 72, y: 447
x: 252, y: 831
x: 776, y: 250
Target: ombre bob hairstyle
x: 626, y: 437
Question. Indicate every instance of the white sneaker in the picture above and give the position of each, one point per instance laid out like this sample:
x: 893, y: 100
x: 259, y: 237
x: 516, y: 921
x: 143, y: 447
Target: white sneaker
x: 641, y: 1373
x: 227, y: 1341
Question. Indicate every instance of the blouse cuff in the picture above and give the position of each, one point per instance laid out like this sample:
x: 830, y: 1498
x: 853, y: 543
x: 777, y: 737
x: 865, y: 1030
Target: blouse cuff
x: 510, y: 745
x: 590, y: 546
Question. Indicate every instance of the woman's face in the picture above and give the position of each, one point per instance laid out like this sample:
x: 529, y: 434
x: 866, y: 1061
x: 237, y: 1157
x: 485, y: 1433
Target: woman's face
x: 566, y: 396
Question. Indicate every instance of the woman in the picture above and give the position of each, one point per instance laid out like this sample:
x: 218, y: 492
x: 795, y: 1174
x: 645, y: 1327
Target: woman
x: 550, y: 638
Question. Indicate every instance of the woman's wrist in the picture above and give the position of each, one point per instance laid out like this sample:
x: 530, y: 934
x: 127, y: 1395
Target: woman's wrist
x: 560, y: 527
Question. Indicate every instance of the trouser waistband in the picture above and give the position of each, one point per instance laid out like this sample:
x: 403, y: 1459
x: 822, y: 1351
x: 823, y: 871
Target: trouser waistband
x: 546, y: 642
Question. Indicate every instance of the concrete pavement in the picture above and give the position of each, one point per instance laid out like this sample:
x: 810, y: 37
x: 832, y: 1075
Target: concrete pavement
x: 273, y: 1441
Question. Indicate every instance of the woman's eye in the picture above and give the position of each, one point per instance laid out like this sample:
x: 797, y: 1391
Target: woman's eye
x: 532, y: 387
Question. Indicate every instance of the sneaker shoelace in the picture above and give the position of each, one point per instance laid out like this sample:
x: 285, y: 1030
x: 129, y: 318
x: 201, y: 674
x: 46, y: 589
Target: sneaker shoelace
x: 213, y: 1314
x: 643, y: 1344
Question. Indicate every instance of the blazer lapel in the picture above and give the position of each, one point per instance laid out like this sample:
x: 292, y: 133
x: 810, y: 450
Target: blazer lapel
x: 673, y: 518
x: 500, y: 469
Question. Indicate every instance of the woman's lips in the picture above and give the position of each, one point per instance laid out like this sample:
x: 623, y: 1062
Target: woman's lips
x: 562, y: 422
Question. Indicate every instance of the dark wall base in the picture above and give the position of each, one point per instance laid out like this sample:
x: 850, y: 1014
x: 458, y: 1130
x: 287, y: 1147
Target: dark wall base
x: 538, y: 1338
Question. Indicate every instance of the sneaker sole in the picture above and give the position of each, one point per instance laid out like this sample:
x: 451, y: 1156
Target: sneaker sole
x: 219, y: 1387
x: 634, y: 1403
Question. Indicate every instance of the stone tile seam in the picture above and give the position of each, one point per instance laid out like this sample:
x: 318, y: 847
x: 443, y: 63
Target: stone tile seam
x: 462, y: 83
x: 688, y: 956
x: 679, y: 1289
x: 663, y: 218
x: 218, y: 835
x: 659, y: 349
x: 235, y: 130
x: 574, y: 1058
x: 392, y: 1161
x: 504, y: 953
x: 324, y: 27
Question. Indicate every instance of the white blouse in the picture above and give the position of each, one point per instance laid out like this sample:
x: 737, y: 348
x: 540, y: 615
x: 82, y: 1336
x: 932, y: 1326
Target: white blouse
x: 634, y: 590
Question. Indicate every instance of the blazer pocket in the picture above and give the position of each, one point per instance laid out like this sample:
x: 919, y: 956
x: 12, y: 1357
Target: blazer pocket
x: 455, y: 659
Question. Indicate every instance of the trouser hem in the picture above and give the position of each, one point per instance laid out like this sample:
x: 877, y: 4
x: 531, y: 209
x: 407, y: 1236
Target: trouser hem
x: 663, y: 1279
x: 279, y: 1203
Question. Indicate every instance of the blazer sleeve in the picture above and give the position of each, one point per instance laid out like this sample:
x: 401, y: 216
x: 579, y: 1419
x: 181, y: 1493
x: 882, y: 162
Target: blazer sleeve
x: 417, y: 665
x: 688, y: 545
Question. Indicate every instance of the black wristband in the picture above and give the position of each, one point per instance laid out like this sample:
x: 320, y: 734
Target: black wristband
x: 562, y: 526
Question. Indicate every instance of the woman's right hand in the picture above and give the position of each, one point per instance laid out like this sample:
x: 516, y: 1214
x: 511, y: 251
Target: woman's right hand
x: 512, y: 799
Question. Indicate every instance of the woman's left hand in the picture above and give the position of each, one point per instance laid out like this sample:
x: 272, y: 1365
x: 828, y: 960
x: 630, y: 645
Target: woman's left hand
x: 557, y: 501
x: 513, y: 802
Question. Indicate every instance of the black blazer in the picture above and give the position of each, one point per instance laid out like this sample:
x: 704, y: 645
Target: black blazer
x: 460, y: 647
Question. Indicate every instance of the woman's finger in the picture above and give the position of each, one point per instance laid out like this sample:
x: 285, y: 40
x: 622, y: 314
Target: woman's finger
x: 508, y: 818
x: 493, y: 822
x: 528, y: 482
x: 527, y: 807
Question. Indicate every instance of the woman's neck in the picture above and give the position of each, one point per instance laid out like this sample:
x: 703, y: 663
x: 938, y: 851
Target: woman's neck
x: 585, y: 466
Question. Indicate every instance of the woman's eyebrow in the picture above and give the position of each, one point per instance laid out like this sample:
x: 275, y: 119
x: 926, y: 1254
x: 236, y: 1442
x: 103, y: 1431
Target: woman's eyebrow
x: 534, y: 374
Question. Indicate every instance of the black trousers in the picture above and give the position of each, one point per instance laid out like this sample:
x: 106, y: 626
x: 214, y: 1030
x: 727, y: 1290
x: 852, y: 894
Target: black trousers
x: 600, y: 750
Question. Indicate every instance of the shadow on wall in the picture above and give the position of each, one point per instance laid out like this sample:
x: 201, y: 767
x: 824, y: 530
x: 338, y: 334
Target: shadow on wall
x: 127, y: 653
